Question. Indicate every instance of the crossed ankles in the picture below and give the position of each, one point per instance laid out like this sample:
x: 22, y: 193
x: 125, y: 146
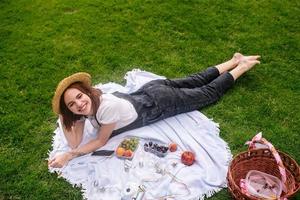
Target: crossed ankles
x: 244, y: 64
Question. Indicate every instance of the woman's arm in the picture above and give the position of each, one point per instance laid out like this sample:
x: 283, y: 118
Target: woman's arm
x: 103, y: 136
x: 74, y: 136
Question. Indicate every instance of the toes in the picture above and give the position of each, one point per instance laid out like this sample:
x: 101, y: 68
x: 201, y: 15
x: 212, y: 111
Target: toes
x: 249, y: 63
x: 257, y: 62
x: 253, y: 57
x: 252, y: 62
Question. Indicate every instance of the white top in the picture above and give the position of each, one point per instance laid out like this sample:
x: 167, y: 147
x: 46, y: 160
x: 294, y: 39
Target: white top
x: 113, y: 109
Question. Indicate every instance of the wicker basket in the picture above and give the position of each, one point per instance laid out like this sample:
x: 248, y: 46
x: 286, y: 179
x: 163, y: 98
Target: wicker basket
x: 264, y: 161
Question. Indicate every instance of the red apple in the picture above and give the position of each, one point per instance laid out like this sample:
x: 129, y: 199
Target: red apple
x: 173, y: 147
x: 187, y: 158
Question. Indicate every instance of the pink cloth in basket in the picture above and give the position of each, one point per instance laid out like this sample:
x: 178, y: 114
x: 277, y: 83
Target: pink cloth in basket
x: 262, y: 185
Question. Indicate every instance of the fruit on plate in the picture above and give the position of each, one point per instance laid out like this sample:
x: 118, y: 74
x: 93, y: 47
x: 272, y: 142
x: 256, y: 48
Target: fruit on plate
x: 158, y: 149
x: 188, y: 158
x: 120, y: 151
x: 127, y: 148
x: 130, y: 143
x: 173, y: 147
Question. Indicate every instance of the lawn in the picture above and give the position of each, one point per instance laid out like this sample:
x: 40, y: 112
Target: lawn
x: 41, y: 42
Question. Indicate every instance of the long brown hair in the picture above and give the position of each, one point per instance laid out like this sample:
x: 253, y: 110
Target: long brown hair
x: 69, y: 117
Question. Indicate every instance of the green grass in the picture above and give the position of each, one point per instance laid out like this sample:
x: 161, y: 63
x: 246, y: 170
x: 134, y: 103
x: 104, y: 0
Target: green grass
x: 41, y: 42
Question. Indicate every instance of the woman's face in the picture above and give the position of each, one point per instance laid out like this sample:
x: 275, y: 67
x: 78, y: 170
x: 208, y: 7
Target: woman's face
x: 78, y: 102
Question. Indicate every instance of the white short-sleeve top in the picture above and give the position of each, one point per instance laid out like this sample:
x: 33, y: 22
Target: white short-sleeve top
x: 113, y: 109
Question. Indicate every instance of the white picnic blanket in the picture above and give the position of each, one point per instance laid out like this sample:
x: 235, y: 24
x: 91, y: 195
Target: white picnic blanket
x: 106, y: 177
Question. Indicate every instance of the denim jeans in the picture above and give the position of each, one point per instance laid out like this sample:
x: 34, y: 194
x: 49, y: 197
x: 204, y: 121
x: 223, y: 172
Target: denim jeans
x: 163, y: 98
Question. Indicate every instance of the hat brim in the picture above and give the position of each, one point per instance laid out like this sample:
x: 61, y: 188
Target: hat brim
x: 83, y: 77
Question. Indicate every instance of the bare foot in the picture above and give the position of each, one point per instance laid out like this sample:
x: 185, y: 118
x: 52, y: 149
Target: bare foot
x: 238, y: 58
x: 247, y: 63
x: 244, y: 66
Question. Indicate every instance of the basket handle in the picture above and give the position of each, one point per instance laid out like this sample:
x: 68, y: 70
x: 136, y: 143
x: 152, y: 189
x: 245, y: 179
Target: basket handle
x: 263, y: 143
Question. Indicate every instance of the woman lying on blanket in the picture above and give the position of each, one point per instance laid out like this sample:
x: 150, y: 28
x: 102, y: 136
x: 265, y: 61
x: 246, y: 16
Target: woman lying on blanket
x: 75, y: 100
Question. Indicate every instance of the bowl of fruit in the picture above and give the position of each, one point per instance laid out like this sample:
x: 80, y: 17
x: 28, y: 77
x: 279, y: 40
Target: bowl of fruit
x: 127, y: 148
x: 157, y: 148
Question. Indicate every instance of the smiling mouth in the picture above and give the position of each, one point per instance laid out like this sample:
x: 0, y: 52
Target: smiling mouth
x: 82, y: 108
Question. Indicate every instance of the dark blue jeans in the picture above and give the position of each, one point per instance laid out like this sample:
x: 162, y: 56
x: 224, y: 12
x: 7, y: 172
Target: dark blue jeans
x: 163, y: 98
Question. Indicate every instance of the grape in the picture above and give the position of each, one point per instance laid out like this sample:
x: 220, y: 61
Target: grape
x: 146, y: 148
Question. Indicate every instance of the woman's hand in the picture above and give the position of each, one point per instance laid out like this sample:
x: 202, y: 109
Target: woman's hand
x: 73, y: 136
x: 103, y: 136
x: 60, y: 160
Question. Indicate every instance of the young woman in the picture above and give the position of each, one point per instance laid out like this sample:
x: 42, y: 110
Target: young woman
x: 75, y: 101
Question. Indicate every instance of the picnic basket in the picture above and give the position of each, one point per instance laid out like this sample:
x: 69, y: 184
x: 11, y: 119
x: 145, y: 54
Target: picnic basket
x: 262, y: 160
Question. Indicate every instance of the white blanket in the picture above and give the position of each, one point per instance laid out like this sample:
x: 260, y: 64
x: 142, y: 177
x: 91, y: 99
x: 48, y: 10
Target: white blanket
x: 106, y: 178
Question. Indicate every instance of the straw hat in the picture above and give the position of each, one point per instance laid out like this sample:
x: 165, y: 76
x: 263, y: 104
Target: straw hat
x: 83, y: 77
